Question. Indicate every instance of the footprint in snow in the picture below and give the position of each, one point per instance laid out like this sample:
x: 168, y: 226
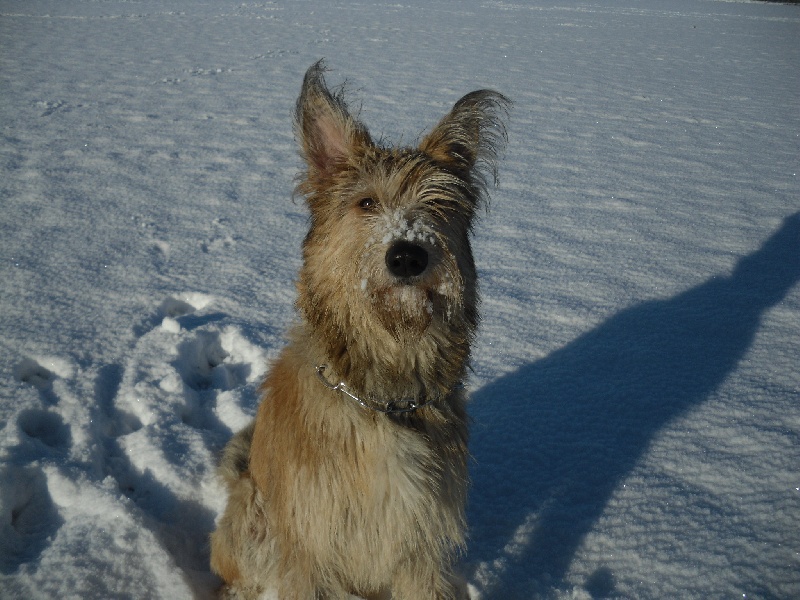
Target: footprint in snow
x: 202, y: 364
x: 46, y: 427
x: 50, y: 107
x: 31, y: 372
x: 193, y: 364
x: 28, y: 517
x: 174, y: 309
x: 221, y: 239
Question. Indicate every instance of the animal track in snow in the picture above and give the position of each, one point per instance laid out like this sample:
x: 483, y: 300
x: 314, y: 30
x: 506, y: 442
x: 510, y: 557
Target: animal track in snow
x: 218, y: 369
x: 193, y: 365
x: 221, y: 238
x: 202, y: 364
x: 47, y: 427
x: 177, y: 307
x: 28, y: 517
x: 50, y: 107
x: 31, y: 372
x: 169, y: 407
x: 159, y: 253
x: 175, y: 312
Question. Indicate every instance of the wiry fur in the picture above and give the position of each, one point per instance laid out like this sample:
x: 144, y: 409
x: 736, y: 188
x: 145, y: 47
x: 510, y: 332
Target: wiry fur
x: 327, y: 498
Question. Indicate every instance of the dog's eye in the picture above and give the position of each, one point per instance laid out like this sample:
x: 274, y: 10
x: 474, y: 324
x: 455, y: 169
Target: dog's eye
x: 367, y: 203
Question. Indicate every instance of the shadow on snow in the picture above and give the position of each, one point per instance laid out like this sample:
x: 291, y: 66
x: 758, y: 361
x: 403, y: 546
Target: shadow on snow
x: 554, y: 438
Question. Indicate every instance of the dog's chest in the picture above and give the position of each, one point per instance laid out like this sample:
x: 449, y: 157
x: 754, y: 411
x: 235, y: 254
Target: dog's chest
x: 384, y: 466
x: 374, y: 490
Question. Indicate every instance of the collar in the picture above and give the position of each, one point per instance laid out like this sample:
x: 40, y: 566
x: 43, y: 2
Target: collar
x: 395, y: 407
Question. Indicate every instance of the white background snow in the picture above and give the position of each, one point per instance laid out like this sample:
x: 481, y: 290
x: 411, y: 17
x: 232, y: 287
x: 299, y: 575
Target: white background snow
x: 636, y: 395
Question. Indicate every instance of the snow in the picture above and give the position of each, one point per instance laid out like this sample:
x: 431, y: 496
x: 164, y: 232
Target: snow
x: 636, y: 385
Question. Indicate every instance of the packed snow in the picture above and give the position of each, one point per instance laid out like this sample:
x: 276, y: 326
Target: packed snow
x: 636, y: 385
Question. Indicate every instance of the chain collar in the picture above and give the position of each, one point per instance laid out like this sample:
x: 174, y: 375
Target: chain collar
x: 396, y: 407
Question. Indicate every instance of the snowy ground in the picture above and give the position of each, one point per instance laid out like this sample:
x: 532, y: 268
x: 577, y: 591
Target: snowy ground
x: 636, y: 394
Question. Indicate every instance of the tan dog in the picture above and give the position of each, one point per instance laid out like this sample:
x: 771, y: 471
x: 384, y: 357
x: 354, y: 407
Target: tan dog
x: 353, y: 477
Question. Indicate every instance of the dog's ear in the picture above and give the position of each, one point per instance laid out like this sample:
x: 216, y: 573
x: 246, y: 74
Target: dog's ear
x: 327, y: 133
x: 473, y: 133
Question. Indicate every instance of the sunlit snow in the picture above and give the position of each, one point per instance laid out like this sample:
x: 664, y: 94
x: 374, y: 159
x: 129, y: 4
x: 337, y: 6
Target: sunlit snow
x: 636, y: 380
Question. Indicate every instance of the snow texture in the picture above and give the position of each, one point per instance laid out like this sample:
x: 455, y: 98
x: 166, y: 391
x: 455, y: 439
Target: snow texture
x: 636, y: 387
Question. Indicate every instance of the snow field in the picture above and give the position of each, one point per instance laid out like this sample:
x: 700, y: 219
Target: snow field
x: 635, y: 379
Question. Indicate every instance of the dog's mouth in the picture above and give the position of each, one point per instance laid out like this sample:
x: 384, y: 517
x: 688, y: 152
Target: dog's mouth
x: 410, y: 286
x: 404, y: 308
x: 406, y: 298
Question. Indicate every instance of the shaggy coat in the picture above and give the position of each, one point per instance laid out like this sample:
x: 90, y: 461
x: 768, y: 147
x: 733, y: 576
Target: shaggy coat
x: 353, y: 477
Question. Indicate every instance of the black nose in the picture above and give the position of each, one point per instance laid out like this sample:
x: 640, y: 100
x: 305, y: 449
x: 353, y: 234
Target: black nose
x: 406, y: 260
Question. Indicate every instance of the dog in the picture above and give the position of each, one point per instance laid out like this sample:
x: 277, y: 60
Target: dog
x: 352, y: 478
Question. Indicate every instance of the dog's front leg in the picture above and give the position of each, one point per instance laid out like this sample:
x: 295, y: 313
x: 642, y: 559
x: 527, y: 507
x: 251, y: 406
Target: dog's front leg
x: 301, y: 579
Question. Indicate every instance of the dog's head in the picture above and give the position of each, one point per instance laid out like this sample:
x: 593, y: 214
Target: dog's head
x: 387, y: 259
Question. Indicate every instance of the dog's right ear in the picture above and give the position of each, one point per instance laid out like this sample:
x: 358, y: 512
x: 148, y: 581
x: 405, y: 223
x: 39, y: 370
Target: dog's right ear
x: 327, y: 133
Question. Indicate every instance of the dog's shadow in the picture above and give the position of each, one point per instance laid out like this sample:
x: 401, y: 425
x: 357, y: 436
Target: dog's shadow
x: 553, y: 439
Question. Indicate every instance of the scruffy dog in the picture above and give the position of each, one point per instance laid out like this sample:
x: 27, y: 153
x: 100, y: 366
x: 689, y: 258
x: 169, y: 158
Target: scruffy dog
x: 353, y: 477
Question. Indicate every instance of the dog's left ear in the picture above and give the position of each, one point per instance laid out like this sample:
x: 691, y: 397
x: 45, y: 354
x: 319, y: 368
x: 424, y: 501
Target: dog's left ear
x: 327, y: 133
x: 473, y: 133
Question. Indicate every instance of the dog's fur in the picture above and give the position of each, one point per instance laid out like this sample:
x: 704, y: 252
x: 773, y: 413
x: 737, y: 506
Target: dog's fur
x: 328, y: 497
